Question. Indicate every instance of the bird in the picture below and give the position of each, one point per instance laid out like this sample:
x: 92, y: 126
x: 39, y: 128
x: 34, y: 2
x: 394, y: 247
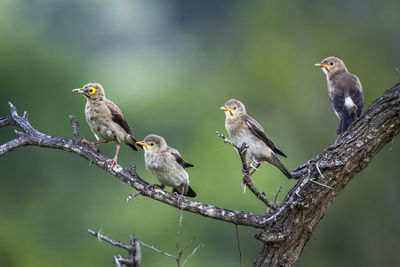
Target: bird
x: 105, y: 120
x: 166, y: 164
x: 244, y: 129
x: 345, y: 92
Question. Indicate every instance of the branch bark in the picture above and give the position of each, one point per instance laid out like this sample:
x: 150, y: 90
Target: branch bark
x: 289, y: 227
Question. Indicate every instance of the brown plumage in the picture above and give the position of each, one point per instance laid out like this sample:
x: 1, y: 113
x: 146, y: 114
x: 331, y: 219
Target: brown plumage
x: 345, y: 92
x: 166, y: 164
x: 105, y: 119
x: 244, y: 129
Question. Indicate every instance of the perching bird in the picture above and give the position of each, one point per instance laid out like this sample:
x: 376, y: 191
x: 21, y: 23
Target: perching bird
x: 166, y: 164
x: 345, y: 92
x: 244, y: 129
x: 105, y: 119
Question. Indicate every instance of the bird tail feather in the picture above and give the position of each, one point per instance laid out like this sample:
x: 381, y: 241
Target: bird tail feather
x: 189, y: 192
x: 281, y: 167
x: 131, y: 142
x: 345, y: 121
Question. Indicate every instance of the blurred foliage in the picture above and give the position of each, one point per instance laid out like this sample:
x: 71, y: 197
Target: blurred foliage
x: 169, y: 66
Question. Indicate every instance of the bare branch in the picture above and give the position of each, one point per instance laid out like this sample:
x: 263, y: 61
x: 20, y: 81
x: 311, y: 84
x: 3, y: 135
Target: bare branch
x: 246, y: 178
x: 159, y: 251
x: 238, y: 244
x: 191, y: 254
x: 109, y: 240
x: 34, y: 138
x: 74, y: 124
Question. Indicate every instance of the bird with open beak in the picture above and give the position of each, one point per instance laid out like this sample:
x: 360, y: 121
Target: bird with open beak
x: 105, y: 120
x: 244, y: 129
x: 345, y: 92
x: 166, y: 164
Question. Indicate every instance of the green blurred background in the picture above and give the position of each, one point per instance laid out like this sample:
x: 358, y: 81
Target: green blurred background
x: 169, y: 66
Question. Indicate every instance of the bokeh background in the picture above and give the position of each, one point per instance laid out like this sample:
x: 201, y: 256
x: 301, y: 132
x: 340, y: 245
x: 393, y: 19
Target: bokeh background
x: 169, y: 66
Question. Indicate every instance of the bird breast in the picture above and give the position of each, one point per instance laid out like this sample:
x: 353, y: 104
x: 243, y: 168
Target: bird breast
x: 100, y: 122
x: 165, y: 168
x: 257, y: 149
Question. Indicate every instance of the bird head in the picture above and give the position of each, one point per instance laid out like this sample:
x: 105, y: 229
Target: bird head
x: 153, y: 143
x: 233, y: 108
x: 331, y: 66
x: 93, y: 91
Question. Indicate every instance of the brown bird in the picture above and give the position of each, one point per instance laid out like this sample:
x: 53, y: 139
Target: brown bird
x: 105, y: 119
x: 345, y: 92
x: 166, y: 164
x: 244, y: 129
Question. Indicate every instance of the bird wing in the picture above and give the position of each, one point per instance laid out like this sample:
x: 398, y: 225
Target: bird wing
x: 337, y: 99
x: 348, y: 83
x: 117, y: 117
x: 357, y: 96
x: 258, y: 131
x: 179, y: 158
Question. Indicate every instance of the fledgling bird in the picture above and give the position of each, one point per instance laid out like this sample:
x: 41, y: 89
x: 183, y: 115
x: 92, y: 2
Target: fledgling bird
x: 345, y: 92
x: 166, y: 164
x: 244, y: 129
x: 105, y: 119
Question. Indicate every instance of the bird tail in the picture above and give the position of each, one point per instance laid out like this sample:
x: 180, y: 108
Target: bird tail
x: 131, y: 142
x: 345, y: 121
x: 276, y: 162
x: 189, y: 192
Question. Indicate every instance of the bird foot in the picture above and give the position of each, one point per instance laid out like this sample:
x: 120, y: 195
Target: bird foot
x: 113, y: 163
x: 153, y: 187
x: 92, y: 145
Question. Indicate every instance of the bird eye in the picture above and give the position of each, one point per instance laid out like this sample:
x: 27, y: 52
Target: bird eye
x: 331, y: 63
x: 92, y: 90
x: 235, y: 107
x: 152, y: 144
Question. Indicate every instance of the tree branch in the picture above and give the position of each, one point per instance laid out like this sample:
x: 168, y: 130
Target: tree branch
x: 32, y: 137
x: 305, y: 205
x: 246, y: 175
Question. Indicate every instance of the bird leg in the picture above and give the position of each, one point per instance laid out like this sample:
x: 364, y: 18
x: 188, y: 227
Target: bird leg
x: 93, y: 145
x: 114, y: 160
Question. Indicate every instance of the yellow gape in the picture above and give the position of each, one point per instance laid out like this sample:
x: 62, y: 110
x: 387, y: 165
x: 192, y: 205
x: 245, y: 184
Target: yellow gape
x: 92, y: 90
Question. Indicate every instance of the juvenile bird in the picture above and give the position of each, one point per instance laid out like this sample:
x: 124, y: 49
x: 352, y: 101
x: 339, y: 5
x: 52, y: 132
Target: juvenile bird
x: 166, y: 164
x: 244, y: 129
x: 105, y: 119
x: 345, y: 92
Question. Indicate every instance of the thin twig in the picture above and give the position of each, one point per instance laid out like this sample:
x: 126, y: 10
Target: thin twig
x: 157, y: 250
x: 321, y: 184
x: 238, y: 243
x: 246, y: 178
x: 191, y: 254
x: 109, y: 240
x: 132, y: 196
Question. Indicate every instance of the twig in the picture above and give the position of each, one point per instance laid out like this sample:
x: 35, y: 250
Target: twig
x: 74, y: 124
x: 321, y: 184
x: 191, y: 254
x: 246, y: 178
x: 132, y: 196
x: 134, y: 251
x: 238, y: 243
x: 319, y: 171
x: 157, y: 250
x: 178, y: 232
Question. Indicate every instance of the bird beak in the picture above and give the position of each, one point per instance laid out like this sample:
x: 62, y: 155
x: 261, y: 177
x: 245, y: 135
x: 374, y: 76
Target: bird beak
x: 143, y: 144
x: 321, y: 65
x: 79, y: 90
x: 227, y: 109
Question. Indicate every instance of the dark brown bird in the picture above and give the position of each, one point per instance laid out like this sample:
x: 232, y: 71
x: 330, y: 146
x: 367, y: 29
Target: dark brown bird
x: 244, y: 129
x: 105, y: 119
x: 345, y: 92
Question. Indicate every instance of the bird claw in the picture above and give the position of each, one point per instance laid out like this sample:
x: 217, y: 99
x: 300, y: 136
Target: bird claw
x: 113, y: 163
x: 92, y: 145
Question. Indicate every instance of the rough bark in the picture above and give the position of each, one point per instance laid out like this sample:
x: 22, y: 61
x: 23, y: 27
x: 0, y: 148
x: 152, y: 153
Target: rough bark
x: 289, y: 227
